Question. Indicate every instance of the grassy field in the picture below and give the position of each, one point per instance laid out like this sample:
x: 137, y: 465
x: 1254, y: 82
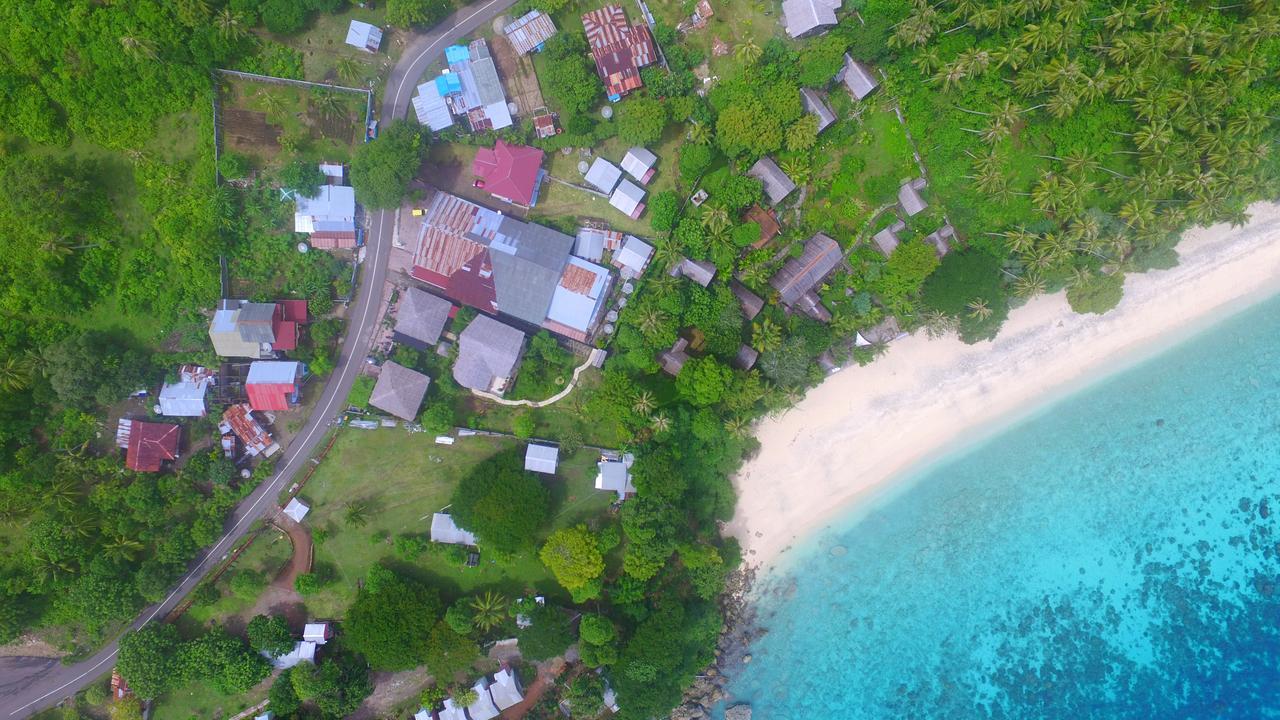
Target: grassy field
x: 323, y: 45
x: 270, y: 122
x: 269, y: 553
x: 564, y: 419
x: 403, y: 478
x: 201, y: 701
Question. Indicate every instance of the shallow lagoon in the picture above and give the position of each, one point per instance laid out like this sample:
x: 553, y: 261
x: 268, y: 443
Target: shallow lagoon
x: 1115, y: 556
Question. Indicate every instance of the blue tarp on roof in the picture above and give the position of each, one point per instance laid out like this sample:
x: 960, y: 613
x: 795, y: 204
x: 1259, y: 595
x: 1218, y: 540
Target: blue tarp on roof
x: 456, y: 53
x: 448, y: 84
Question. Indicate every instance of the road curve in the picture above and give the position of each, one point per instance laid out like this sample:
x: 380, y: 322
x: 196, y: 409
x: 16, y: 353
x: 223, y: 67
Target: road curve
x: 29, y: 685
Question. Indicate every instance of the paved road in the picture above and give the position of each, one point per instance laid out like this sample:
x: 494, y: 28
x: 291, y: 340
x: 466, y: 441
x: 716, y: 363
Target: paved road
x: 28, y: 685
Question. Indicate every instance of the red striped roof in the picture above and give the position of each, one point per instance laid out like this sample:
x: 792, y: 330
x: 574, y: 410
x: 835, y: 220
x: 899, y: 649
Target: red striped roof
x: 269, y: 396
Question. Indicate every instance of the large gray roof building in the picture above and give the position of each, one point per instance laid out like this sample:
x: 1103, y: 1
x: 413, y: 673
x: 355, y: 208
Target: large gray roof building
x: 777, y: 186
x: 801, y: 275
x: 487, y: 355
x: 808, y: 17
x: 420, y: 318
x: 399, y: 391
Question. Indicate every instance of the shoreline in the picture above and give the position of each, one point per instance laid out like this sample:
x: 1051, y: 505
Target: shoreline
x: 873, y: 428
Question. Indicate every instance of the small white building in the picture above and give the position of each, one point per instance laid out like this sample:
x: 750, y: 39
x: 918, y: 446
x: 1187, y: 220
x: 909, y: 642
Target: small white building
x: 639, y: 162
x: 633, y: 257
x: 603, y: 175
x: 318, y: 633
x: 483, y: 708
x: 452, y: 712
x: 541, y: 458
x: 615, y: 475
x: 444, y: 530
x: 431, y: 107
x: 364, y: 36
x: 296, y: 510
x: 185, y: 398
x: 629, y: 199
x: 505, y: 689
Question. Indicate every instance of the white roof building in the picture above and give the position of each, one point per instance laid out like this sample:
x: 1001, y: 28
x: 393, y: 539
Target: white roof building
x: 185, y: 398
x: 639, y: 162
x: 317, y: 633
x: 603, y: 175
x: 629, y: 199
x: 296, y: 510
x: 633, y: 257
x: 615, y: 475
x: 808, y: 17
x: 591, y: 243
x: 483, y: 708
x: 431, y: 108
x: 364, y: 36
x: 332, y: 209
x: 335, y: 172
x: 577, y: 299
x: 541, y: 458
x: 505, y: 689
x: 452, y: 712
x: 444, y: 530
x: 423, y: 714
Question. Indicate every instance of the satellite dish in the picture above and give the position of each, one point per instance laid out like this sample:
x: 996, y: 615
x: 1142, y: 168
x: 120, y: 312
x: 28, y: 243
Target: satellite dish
x: 155, y: 409
x: 303, y: 247
x: 606, y: 112
x: 608, y: 329
x: 583, y: 167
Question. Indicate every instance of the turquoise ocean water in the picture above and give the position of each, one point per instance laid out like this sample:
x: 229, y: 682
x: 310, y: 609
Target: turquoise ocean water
x: 1116, y: 555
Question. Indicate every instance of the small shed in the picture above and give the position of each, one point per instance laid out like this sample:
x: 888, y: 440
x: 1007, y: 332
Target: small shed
x: 591, y: 243
x: 603, y: 175
x: 318, y: 633
x: 399, y: 390
x: 483, y: 708
x: 529, y: 32
x: 672, y: 361
x: 859, y: 78
x: 629, y: 199
x: 296, y: 509
x: 910, y: 199
x: 273, y: 384
x: 444, y: 530
x: 887, y: 239
x: 420, y: 318
x: 777, y: 186
x: 941, y: 239
x: 541, y: 458
x: 185, y: 398
x: 615, y: 475
x: 746, y: 358
x: 815, y: 106
x: 633, y: 257
x: 364, y: 36
x: 639, y: 164
x: 751, y: 303
x: 302, y: 652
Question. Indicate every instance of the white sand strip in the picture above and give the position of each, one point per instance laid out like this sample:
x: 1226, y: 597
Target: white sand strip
x: 866, y: 425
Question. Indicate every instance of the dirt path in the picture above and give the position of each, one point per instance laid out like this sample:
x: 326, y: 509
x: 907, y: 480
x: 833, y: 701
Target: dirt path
x: 546, y: 680
x: 279, y: 598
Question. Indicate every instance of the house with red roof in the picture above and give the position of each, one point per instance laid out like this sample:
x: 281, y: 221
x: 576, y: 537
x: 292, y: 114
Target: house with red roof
x: 273, y: 384
x: 509, y: 172
x: 147, y: 445
x: 619, y: 49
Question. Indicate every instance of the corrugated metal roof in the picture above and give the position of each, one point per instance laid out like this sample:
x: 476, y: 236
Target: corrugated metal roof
x: 802, y: 17
x: 431, y: 108
x: 530, y: 31
x: 603, y: 175
x: 445, y: 530
x: 579, y: 297
x: 777, y: 186
x: 800, y: 275
x: 629, y: 198
x: 858, y: 77
x: 487, y: 351
x: 541, y: 458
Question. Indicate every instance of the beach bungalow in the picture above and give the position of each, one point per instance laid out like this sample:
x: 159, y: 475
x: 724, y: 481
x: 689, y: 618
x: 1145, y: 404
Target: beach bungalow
x: 530, y: 32
x: 420, y: 318
x: 699, y: 271
x: 639, y: 164
x: 802, y: 18
x: 509, y: 172
x: 777, y: 186
x: 751, y: 303
x: 444, y: 530
x: 887, y: 239
x: 910, y: 199
x: 858, y: 78
x: 399, y: 391
x: 273, y: 384
x: 488, y: 352
x: 815, y: 106
x: 483, y: 708
x: 328, y: 217
x: 541, y: 458
x: 364, y: 36
x: 615, y: 475
x: 941, y: 239
x: 633, y: 257
x: 798, y: 278
x: 185, y: 398
x: 147, y: 445
x: 452, y: 712
x: 672, y: 361
x: 629, y: 199
x: 619, y: 49
x: 505, y: 689
x: 746, y: 357
x: 603, y: 175
x: 296, y: 510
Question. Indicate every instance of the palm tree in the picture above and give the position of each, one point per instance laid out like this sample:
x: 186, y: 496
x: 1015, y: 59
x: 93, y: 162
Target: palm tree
x: 715, y: 218
x: 979, y: 309
x: 122, y: 548
x: 1020, y: 240
x: 661, y: 423
x: 138, y: 48
x: 700, y: 133
x: 348, y: 69
x: 1029, y: 285
x: 937, y: 323
x: 272, y: 104
x: 748, y: 52
x: 357, y: 513
x: 766, y: 335
x: 737, y: 426
x: 650, y: 319
x: 328, y: 104
x: 490, y: 610
x: 230, y: 24
x: 797, y: 170
x: 666, y: 253
x: 15, y: 373
x: 644, y: 403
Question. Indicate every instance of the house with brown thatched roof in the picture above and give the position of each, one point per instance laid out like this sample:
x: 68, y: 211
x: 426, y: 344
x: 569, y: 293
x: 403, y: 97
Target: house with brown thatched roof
x: 768, y: 222
x: 751, y: 303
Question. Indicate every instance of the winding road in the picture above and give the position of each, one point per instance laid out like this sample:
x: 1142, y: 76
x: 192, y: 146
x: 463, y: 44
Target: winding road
x: 29, y: 685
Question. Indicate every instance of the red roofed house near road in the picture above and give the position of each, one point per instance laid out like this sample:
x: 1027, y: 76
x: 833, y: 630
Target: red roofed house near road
x: 509, y: 172
x: 273, y: 385
x: 147, y: 444
x: 619, y: 49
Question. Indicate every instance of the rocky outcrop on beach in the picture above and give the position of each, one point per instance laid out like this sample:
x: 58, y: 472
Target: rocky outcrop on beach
x: 732, y: 653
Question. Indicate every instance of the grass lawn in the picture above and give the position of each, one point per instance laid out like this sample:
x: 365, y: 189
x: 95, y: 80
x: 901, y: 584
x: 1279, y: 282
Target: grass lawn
x: 563, y: 419
x: 403, y: 478
x: 323, y: 44
x: 200, y: 700
x: 259, y: 120
x: 269, y: 553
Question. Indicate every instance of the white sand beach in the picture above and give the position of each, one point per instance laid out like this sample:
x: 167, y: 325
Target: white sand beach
x: 864, y: 426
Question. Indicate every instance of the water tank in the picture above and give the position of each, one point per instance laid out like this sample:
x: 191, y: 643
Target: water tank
x: 606, y: 112
x: 608, y: 329
x: 612, y: 316
x: 303, y: 247
x: 583, y: 167
x: 628, y: 288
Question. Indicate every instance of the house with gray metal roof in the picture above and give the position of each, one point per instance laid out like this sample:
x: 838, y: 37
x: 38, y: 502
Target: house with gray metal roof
x: 751, y: 303
x: 633, y: 257
x: 541, y: 458
x: 859, y: 78
x: 364, y: 36
x: 910, y: 199
x: 615, y: 475
x: 887, y: 239
x: 817, y: 107
x: 639, y: 163
x: 420, y: 318
x: 777, y: 186
x: 941, y: 239
x: 802, y: 18
x: 591, y: 243
x: 488, y: 352
x: 603, y: 175
x: 628, y: 198
x: 796, y: 280
x: 399, y: 391
x: 431, y: 108
x: 529, y: 32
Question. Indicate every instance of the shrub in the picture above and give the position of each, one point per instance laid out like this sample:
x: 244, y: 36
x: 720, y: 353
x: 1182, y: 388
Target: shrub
x: 1098, y: 295
x: 306, y: 584
x: 247, y: 584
